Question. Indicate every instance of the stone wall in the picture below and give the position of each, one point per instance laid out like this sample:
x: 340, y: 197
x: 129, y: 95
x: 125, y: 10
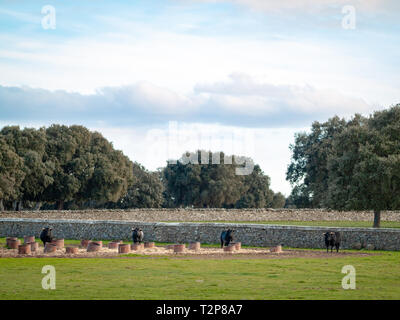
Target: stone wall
x: 196, y: 215
x: 248, y: 234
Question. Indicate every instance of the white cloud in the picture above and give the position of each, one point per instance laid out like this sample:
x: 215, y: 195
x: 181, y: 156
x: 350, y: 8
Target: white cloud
x: 312, y: 6
x: 245, y: 95
x: 178, y: 62
x: 146, y: 95
x: 239, y: 100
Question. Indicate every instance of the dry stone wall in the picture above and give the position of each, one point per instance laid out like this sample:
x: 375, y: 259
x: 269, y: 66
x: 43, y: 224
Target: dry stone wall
x: 191, y: 215
x: 248, y: 234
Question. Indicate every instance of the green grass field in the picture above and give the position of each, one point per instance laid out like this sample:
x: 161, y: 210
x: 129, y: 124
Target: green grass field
x: 377, y: 277
x: 349, y: 224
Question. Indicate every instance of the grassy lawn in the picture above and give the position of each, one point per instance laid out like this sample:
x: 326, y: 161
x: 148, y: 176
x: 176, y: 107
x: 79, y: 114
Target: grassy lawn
x: 378, y: 277
x: 349, y: 224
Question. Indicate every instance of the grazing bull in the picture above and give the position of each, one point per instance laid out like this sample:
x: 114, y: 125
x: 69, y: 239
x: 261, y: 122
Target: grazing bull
x: 332, y: 239
x: 226, y: 237
x: 46, y: 235
x: 137, y: 235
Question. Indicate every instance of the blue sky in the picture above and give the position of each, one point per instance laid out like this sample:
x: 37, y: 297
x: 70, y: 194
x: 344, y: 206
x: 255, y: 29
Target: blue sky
x: 134, y: 70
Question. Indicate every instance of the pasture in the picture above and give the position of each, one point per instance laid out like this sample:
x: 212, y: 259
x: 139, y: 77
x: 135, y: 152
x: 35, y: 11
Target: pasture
x: 297, y: 274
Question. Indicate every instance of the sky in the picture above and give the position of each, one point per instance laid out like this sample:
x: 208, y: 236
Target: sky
x: 158, y: 78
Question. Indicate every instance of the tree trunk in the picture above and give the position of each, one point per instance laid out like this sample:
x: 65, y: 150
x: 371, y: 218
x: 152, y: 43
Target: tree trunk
x: 14, y: 205
x: 38, y: 205
x: 19, y: 206
x: 377, y: 218
x: 60, y: 204
x: 1, y: 205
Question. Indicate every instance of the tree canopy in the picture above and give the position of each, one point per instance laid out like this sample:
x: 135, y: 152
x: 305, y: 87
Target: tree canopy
x: 11, y: 173
x: 61, y: 164
x: 146, y: 190
x: 353, y: 165
x: 74, y: 167
x: 210, y: 180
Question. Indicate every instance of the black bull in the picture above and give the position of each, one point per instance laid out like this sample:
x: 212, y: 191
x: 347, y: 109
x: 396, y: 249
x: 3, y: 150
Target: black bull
x: 332, y: 239
x: 137, y: 235
x: 46, y: 235
x: 226, y: 237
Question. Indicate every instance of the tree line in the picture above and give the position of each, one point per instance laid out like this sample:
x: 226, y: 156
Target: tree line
x: 59, y: 164
x: 348, y: 165
x: 73, y: 168
x: 205, y: 184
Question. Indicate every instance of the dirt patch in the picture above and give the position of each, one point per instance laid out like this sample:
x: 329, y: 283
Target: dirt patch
x: 203, y: 253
